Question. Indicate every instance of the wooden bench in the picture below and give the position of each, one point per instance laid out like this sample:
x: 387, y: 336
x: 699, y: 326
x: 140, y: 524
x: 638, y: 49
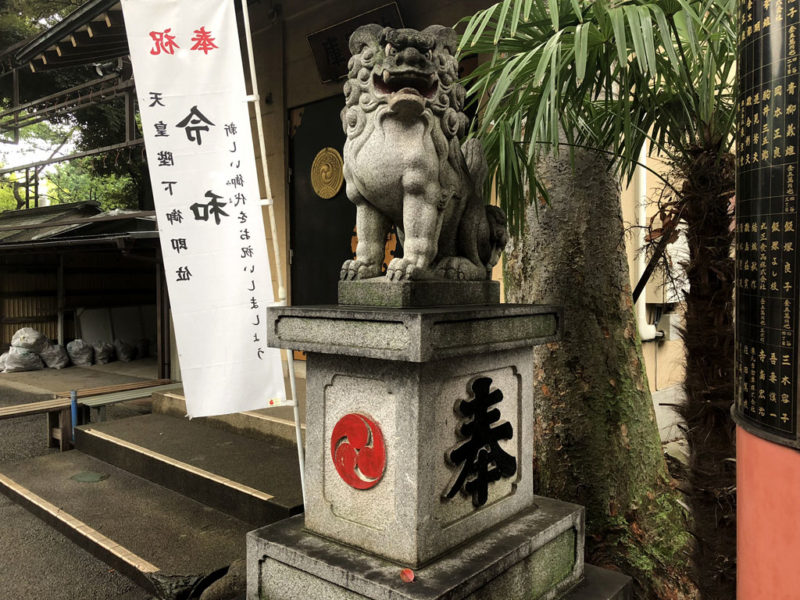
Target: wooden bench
x: 97, y: 403
x: 59, y: 419
x: 91, y: 403
x: 109, y: 389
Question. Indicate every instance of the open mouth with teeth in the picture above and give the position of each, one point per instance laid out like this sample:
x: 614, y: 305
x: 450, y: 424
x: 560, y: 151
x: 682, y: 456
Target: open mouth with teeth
x: 406, y: 82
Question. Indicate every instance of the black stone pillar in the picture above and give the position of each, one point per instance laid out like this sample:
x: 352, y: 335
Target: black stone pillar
x: 767, y: 149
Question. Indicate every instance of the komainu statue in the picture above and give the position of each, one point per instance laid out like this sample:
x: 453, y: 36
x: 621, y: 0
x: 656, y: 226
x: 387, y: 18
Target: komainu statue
x: 404, y: 164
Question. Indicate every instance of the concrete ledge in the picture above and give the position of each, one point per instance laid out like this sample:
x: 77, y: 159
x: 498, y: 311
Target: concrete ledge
x: 537, y: 555
x: 417, y: 294
x: 163, y: 541
x: 266, y: 423
x: 414, y: 334
x: 255, y: 481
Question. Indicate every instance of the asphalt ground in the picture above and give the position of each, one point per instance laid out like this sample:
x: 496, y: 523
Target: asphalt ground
x: 37, y: 562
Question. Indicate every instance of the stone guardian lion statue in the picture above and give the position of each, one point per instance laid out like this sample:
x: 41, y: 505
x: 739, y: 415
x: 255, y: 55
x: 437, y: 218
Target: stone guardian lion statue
x: 404, y: 164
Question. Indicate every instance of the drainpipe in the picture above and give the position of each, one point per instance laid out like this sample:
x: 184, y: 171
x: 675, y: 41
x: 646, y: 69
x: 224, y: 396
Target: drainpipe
x: 647, y: 331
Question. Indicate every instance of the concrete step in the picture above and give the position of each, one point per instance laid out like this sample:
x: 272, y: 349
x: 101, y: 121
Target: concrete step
x: 257, y: 481
x: 163, y: 541
x: 266, y: 423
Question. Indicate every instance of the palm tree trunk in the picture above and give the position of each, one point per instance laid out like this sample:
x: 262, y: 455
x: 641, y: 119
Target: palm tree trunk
x: 596, y: 438
x: 708, y: 339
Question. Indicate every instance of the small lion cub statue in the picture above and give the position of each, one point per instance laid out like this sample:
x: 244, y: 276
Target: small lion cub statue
x: 404, y: 165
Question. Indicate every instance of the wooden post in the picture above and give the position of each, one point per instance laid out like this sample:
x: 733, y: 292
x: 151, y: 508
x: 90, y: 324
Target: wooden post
x: 130, y: 117
x: 162, y: 316
x: 27, y: 188
x: 15, y: 101
x: 60, y: 299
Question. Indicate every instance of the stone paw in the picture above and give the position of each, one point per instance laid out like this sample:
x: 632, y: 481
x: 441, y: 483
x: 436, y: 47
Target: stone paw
x: 356, y: 269
x: 459, y: 268
x: 401, y: 269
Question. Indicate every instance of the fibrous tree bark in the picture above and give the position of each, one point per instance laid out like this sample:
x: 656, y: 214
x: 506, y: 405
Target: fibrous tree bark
x: 708, y: 338
x: 596, y: 438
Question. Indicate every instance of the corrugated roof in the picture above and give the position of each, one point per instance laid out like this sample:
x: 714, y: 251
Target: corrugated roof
x: 72, y: 222
x: 30, y: 224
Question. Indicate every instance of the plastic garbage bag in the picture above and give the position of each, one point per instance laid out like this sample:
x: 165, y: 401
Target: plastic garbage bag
x: 125, y: 352
x: 143, y: 348
x: 3, y: 358
x: 80, y: 353
x: 55, y: 356
x: 29, y: 339
x: 103, y: 353
x: 21, y: 359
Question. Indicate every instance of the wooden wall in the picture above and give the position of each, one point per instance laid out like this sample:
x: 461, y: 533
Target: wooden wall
x: 29, y: 288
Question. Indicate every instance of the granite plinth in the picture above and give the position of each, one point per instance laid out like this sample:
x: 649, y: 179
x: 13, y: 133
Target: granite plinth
x: 407, y: 517
x: 415, y: 335
x: 537, y: 555
x: 379, y: 291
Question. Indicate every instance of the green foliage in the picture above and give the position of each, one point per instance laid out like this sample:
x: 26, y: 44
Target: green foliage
x: 77, y: 181
x: 7, y: 200
x: 604, y: 74
x: 14, y: 24
x: 92, y: 127
x: 21, y: 20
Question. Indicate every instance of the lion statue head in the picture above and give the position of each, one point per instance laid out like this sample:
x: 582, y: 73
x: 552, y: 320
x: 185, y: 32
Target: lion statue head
x: 407, y: 71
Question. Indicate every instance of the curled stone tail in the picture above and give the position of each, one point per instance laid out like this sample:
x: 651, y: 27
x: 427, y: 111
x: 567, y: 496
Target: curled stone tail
x: 498, y: 232
x: 472, y: 149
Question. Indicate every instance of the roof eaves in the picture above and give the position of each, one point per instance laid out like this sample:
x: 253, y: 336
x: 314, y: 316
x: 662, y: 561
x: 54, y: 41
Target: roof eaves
x: 77, y: 18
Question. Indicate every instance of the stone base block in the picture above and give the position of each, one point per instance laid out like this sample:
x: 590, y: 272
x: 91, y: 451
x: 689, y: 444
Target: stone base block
x: 416, y: 511
x: 601, y: 584
x: 536, y: 555
x: 416, y: 294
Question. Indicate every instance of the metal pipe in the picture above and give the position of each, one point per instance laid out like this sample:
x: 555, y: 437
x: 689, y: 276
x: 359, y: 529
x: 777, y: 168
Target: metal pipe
x: 20, y: 107
x: 73, y: 405
x: 94, y: 97
x: 274, y: 230
x: 53, y: 161
x: 647, y: 332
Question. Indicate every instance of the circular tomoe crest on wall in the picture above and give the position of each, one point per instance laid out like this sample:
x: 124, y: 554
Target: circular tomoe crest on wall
x: 326, y: 173
x: 358, y: 451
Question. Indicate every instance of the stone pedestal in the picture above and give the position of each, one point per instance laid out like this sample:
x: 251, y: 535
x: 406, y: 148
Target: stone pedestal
x: 418, y: 455
x: 405, y: 374
x: 537, y: 555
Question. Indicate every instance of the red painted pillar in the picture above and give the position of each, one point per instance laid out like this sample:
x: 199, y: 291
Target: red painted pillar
x: 768, y: 513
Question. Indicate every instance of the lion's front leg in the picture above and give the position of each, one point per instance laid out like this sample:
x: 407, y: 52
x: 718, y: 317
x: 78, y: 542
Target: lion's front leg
x: 422, y: 221
x: 371, y: 229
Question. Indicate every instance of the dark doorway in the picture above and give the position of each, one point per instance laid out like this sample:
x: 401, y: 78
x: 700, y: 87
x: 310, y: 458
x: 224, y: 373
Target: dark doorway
x: 321, y: 228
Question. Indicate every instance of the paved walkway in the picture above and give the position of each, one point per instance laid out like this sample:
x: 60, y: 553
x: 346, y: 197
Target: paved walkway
x: 71, y: 378
x: 36, y: 562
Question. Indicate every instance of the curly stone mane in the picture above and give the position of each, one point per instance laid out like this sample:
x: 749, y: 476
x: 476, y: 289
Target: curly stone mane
x: 403, y: 118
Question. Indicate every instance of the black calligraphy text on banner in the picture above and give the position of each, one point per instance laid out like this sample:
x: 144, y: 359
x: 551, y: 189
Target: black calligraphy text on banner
x: 192, y: 98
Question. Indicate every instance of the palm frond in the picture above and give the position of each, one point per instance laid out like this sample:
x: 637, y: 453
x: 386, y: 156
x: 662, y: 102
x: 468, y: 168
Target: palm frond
x: 608, y: 75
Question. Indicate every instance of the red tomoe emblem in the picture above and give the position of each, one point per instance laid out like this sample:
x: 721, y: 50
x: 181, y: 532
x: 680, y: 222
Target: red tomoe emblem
x: 358, y: 451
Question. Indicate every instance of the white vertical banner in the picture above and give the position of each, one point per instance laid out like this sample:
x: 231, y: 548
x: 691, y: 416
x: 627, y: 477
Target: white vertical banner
x: 190, y: 86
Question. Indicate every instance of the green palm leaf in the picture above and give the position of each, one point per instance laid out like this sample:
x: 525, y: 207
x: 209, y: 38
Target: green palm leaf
x: 608, y: 75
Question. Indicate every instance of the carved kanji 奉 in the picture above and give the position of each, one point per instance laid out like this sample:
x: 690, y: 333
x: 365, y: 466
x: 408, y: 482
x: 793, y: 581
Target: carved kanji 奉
x: 481, y: 457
